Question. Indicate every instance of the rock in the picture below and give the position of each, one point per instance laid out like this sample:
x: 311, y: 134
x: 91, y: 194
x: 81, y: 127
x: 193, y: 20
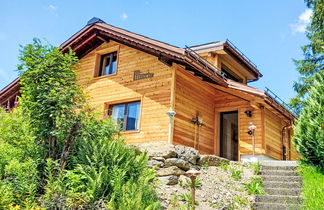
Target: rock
x: 187, y: 153
x: 157, y: 164
x: 157, y: 149
x: 172, y: 170
x: 211, y: 160
x: 159, y: 159
x: 182, y: 164
x: 169, y: 180
x: 184, y: 179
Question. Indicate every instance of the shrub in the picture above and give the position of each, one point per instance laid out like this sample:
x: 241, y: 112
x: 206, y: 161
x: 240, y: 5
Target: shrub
x: 309, y: 129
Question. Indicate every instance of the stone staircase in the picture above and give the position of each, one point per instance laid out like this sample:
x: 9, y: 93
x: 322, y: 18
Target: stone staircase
x: 281, y: 185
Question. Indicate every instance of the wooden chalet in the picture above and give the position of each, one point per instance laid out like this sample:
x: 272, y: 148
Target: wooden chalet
x: 196, y: 96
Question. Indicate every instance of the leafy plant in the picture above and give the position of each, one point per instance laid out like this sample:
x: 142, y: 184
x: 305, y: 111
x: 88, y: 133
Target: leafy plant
x: 188, y: 182
x: 224, y: 166
x: 186, y: 197
x: 236, y: 174
x: 256, y: 168
x: 255, y: 186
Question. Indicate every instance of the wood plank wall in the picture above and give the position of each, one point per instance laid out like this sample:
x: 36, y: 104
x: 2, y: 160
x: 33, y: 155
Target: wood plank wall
x: 273, y: 129
x: 154, y: 92
x: 195, y: 96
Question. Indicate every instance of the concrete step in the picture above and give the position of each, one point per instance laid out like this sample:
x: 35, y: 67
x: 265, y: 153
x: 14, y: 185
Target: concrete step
x: 282, y: 191
x: 283, y: 199
x: 279, y: 172
x: 276, y: 206
x: 282, y: 178
x: 279, y: 184
x: 286, y: 168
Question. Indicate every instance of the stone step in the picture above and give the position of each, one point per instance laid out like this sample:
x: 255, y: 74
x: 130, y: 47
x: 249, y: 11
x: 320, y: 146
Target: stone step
x: 286, y: 168
x: 278, y: 184
x: 276, y: 206
x: 283, y: 199
x: 282, y: 178
x: 279, y: 172
x: 282, y: 191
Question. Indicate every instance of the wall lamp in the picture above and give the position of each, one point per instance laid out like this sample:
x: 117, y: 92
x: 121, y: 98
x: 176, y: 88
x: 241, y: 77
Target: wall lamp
x: 248, y: 113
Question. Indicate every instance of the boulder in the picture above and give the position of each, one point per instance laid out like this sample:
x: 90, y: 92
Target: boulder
x: 182, y: 164
x: 169, y: 180
x: 184, y: 179
x: 157, y: 149
x: 172, y: 170
x: 158, y: 159
x: 211, y: 160
x: 157, y: 164
x: 187, y: 153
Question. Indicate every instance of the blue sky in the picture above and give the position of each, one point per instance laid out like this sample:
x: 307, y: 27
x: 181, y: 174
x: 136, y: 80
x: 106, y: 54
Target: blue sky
x: 270, y: 33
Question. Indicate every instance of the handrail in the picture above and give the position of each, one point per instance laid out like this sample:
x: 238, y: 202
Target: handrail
x: 206, y: 63
x: 273, y: 96
x: 241, y: 53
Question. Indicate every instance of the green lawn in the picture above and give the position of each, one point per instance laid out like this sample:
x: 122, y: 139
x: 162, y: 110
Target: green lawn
x: 313, y: 187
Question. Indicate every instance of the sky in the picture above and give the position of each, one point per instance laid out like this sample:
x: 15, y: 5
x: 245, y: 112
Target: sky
x: 269, y: 32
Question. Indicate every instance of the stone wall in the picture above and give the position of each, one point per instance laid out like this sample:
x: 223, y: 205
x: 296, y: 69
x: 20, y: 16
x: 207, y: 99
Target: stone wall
x: 170, y: 162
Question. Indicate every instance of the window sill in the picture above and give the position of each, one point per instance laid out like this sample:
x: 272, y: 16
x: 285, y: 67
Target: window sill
x: 106, y: 76
x: 130, y: 132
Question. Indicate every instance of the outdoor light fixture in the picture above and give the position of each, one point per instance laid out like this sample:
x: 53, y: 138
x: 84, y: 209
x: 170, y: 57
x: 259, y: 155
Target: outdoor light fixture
x: 192, y: 174
x: 252, y: 128
x: 248, y: 113
x: 171, y: 114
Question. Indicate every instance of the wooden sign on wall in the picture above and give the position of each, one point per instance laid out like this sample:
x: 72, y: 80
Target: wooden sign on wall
x: 138, y: 75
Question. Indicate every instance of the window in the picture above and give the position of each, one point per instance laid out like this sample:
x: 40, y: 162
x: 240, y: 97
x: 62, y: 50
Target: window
x: 126, y: 115
x: 230, y: 75
x: 108, y: 64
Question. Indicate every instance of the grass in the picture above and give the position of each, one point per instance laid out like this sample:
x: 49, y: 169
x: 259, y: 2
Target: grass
x: 313, y: 187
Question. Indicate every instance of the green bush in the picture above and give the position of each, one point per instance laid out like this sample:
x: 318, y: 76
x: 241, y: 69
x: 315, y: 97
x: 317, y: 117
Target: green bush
x: 309, y: 129
x: 56, y: 154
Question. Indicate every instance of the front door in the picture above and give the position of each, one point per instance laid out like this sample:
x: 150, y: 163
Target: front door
x: 229, y: 135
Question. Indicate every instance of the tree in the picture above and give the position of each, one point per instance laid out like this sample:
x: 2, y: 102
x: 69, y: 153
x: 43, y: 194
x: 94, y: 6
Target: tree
x: 50, y: 97
x: 309, y: 128
x: 313, y: 61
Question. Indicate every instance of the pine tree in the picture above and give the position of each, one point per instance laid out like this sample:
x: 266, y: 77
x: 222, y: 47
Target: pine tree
x: 309, y: 128
x: 313, y: 61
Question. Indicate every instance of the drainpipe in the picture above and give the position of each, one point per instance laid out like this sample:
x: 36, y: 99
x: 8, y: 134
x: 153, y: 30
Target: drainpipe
x: 171, y: 115
x: 282, y: 141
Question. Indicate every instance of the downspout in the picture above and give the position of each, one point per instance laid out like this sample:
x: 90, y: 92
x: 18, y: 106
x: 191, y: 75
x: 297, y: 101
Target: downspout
x: 171, y: 115
x: 284, y: 146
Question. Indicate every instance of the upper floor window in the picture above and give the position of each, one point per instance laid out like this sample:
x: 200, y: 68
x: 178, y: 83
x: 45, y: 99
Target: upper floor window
x: 126, y: 115
x: 230, y: 75
x: 108, y: 64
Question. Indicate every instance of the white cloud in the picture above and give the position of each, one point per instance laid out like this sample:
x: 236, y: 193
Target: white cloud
x: 124, y: 16
x: 304, y: 20
x: 52, y: 7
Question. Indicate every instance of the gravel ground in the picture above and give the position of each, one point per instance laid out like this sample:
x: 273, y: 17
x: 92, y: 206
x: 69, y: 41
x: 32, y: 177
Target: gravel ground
x: 219, y: 189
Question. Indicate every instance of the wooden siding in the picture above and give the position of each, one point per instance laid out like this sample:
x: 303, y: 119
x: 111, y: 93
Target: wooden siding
x: 273, y: 139
x: 192, y: 97
x: 154, y: 92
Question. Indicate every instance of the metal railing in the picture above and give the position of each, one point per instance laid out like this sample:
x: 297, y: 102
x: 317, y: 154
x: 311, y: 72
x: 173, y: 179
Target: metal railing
x: 241, y: 53
x: 208, y: 66
x: 276, y: 98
